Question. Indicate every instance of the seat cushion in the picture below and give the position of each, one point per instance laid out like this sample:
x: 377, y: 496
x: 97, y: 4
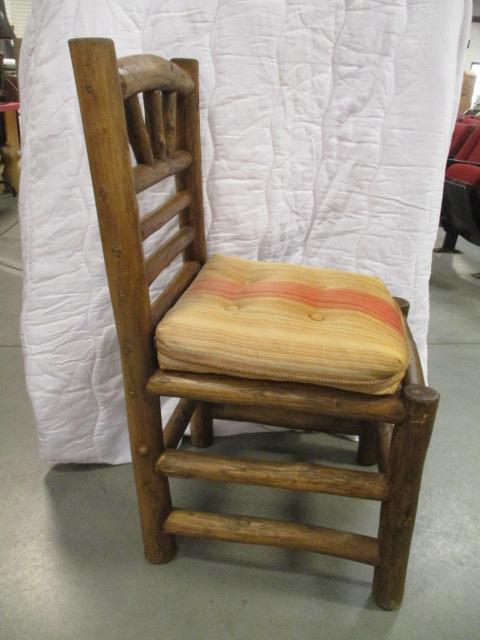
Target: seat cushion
x: 286, y: 322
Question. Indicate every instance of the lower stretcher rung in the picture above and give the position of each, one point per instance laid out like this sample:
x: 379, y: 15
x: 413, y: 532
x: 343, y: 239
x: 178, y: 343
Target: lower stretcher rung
x: 275, y: 533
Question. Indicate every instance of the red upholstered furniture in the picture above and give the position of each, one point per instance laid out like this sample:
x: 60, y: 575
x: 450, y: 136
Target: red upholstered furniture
x: 460, y: 206
x: 461, y: 202
x: 461, y: 133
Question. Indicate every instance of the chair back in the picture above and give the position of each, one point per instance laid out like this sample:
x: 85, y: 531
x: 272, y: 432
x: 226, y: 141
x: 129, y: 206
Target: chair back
x: 165, y: 141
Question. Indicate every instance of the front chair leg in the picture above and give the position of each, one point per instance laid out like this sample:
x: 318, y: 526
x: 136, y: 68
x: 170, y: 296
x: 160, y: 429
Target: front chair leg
x: 201, y: 426
x: 397, y: 517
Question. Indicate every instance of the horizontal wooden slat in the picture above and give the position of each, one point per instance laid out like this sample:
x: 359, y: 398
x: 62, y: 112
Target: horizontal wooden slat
x: 172, y: 293
x: 176, y: 426
x: 145, y: 175
x: 274, y: 533
x: 164, y: 255
x: 296, y: 476
x: 157, y: 218
x: 306, y: 397
x: 287, y: 418
x: 145, y: 72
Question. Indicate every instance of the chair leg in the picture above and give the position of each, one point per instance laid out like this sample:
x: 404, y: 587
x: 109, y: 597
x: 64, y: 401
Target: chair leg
x: 367, y: 445
x: 201, y: 426
x: 449, y: 243
x: 153, y: 492
x: 397, y: 517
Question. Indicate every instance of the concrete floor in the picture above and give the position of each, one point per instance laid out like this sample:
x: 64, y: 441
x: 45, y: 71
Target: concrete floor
x: 70, y: 551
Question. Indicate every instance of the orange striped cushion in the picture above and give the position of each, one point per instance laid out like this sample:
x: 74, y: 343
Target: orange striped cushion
x: 286, y: 322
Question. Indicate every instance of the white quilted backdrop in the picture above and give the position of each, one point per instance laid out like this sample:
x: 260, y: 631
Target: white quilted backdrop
x: 325, y: 132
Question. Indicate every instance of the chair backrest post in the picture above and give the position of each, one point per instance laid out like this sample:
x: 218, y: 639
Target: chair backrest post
x: 188, y: 138
x: 104, y: 123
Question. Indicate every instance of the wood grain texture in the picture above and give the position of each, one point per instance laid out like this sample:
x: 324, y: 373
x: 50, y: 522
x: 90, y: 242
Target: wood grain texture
x: 170, y: 122
x: 164, y: 255
x: 304, y: 397
x: 384, y: 440
x: 397, y: 516
x: 367, y: 444
x: 286, y: 418
x: 145, y: 72
x: 201, y: 426
x: 177, y: 424
x: 156, y: 219
x: 153, y: 104
x: 414, y: 373
x: 188, y: 138
x: 137, y: 131
x: 104, y: 124
x: 165, y: 300
x: 147, y: 175
x: 275, y: 533
x: 295, y: 476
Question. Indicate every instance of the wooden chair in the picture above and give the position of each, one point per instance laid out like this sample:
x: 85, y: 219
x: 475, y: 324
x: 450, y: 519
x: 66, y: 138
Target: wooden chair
x: 393, y: 429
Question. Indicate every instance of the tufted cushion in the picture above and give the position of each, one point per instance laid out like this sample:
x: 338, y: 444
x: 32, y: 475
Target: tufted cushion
x: 286, y: 322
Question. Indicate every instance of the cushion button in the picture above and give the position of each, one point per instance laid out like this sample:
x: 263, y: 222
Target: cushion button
x: 232, y: 307
x: 316, y: 316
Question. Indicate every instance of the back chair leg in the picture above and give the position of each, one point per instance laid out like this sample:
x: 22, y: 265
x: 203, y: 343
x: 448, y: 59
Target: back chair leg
x: 367, y: 445
x: 397, y: 517
x: 201, y: 426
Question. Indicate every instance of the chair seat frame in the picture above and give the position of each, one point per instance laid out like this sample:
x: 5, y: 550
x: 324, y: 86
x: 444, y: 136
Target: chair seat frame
x: 394, y: 431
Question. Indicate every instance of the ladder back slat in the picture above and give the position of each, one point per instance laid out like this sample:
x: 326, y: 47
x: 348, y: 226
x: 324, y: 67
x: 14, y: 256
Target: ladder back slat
x: 152, y: 101
x: 137, y: 131
x: 170, y: 121
x: 145, y: 175
x: 274, y: 533
x: 157, y: 218
x: 296, y: 476
x: 164, y: 255
x: 172, y: 293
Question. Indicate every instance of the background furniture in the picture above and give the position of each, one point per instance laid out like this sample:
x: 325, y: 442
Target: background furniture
x: 10, y: 150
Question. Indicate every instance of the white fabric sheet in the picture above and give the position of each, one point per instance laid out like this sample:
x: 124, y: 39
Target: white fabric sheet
x: 325, y: 131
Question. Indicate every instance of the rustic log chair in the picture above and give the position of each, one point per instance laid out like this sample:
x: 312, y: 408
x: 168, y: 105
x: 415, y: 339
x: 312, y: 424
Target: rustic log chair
x: 394, y: 430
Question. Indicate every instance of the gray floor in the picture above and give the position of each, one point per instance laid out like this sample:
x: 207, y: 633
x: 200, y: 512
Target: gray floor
x: 70, y: 552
